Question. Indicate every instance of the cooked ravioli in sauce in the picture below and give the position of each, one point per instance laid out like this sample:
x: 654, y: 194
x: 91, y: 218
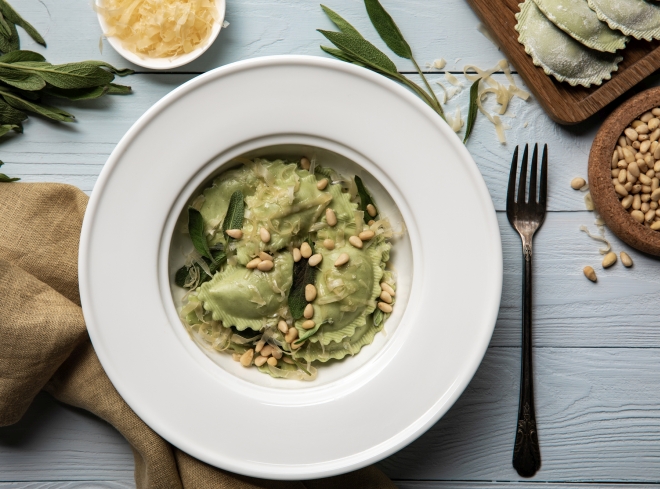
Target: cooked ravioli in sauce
x: 289, y: 268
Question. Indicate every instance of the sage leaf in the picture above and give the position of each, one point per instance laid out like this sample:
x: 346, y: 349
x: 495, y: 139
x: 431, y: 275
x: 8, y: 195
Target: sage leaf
x: 115, y: 89
x: 78, y: 93
x: 5, y: 178
x: 10, y: 43
x: 5, y: 30
x: 387, y: 29
x: 9, y: 115
x: 311, y: 332
x: 69, y: 75
x: 45, y: 110
x: 219, y: 257
x: 339, y: 54
x: 116, y: 71
x: 472, y: 110
x: 16, y: 56
x: 181, y: 276
x: 235, y: 211
x: 14, y: 18
x: 339, y: 21
x: 365, y: 199
x: 5, y: 128
x: 362, y: 50
x: 22, y: 80
x: 303, y: 275
x: 196, y: 232
x: 379, y: 316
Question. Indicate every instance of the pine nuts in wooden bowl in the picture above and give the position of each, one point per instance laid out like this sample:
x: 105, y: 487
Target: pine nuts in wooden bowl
x: 626, y: 192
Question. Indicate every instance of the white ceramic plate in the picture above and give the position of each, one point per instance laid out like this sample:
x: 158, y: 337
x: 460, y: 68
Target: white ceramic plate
x: 449, y: 265
x: 167, y: 63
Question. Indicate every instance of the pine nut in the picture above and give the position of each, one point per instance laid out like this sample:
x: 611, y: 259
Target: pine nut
x: 590, y: 273
x: 656, y: 112
x: 609, y: 260
x: 645, y: 207
x: 653, y: 124
x: 631, y: 134
x: 646, y: 198
x: 636, y: 123
x: 259, y: 346
x: 650, y: 215
x: 655, y: 196
x: 654, y: 205
x: 328, y: 244
x: 315, y: 259
x: 282, y: 326
x: 615, y: 159
x: 234, y: 233
x: 355, y: 241
x: 646, y: 117
x: 288, y: 360
x: 309, y: 324
x: 295, y: 346
x: 252, y: 264
x: 264, y: 235
x: 305, y: 164
x: 246, y: 358
x: 266, y: 351
x: 655, y: 226
x: 371, y: 210
x: 637, y: 216
x: 296, y: 255
x: 644, y: 180
x: 310, y: 292
x: 330, y: 217
x: 309, y: 311
x: 260, y: 361
x: 644, y: 147
x: 628, y: 186
x: 636, y: 189
x: 386, y: 308
x: 386, y: 287
x: 623, y: 176
x: 650, y: 173
x: 265, y: 266
x: 305, y: 250
x: 655, y: 183
x: 646, y: 189
x: 621, y: 190
x: 642, y: 129
x: 627, y: 202
x: 272, y: 361
x: 637, y: 202
x: 577, y: 183
x: 385, y: 297
x: 322, y: 184
x: 626, y: 260
x: 265, y: 256
x: 615, y: 173
x: 366, y: 235
x: 656, y: 154
x: 629, y: 177
x: 342, y: 260
x: 371, y: 222
x: 623, y: 164
x: 628, y: 155
x: 633, y: 168
x: 236, y: 357
x: 291, y: 335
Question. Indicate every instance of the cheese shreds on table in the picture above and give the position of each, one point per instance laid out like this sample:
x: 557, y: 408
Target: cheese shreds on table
x: 159, y: 28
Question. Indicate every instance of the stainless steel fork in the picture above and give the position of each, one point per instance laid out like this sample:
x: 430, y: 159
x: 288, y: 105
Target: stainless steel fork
x: 526, y: 217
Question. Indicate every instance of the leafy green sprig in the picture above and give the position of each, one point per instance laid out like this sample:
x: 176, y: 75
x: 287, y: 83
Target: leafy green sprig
x: 352, y: 47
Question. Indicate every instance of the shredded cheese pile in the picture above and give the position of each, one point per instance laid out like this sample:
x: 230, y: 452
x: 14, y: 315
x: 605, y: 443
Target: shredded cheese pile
x: 159, y: 28
x: 503, y: 94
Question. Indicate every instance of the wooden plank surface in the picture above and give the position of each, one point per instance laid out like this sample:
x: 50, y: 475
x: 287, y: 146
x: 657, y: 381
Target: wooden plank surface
x: 564, y: 103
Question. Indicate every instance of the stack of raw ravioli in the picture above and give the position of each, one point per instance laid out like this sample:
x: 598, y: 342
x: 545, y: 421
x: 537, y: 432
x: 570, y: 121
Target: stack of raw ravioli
x: 576, y: 41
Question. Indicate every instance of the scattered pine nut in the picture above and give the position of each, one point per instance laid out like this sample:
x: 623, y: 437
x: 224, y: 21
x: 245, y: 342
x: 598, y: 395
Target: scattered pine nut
x: 291, y: 335
x: 246, y: 358
x: 289, y: 361
x: 328, y: 244
x: 259, y: 346
x: 342, y: 260
x: 385, y: 297
x: 252, y: 264
x: 577, y: 183
x: 265, y: 256
x: 386, y: 308
x: 322, y: 184
x: 272, y: 361
x: 260, y: 361
x: 371, y: 222
x: 296, y: 255
x: 387, y: 288
x: 626, y: 260
x: 305, y: 164
x: 234, y: 233
x: 266, y: 351
x: 310, y: 292
x: 282, y: 326
x: 308, y: 313
x: 295, y: 346
x: 305, y: 250
x: 590, y: 273
x: 315, y: 259
x: 264, y: 234
x: 236, y: 357
x: 330, y: 217
x: 366, y: 235
x: 309, y: 324
x: 355, y: 241
x: 371, y: 210
x: 265, y: 265
x: 609, y: 260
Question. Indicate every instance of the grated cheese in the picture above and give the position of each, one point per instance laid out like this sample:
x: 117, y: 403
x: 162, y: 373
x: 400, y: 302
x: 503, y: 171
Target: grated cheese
x: 456, y: 122
x: 439, y: 64
x: 159, y: 28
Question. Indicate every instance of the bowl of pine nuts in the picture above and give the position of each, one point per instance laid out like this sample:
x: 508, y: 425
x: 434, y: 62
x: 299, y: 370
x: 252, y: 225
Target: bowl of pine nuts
x: 624, y: 171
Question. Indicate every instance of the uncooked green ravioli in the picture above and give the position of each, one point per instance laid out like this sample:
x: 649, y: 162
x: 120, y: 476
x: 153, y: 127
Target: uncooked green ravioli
x: 637, y: 18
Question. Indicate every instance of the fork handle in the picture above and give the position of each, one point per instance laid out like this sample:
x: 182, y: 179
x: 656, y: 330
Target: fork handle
x: 526, y: 452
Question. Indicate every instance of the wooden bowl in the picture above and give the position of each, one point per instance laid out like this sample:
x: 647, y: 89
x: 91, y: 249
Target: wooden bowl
x: 604, y: 197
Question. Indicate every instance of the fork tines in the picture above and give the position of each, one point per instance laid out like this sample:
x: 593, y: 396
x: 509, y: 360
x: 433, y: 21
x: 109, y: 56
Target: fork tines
x: 522, y: 185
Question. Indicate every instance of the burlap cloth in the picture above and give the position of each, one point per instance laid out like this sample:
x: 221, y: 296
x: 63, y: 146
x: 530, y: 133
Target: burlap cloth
x: 44, y: 343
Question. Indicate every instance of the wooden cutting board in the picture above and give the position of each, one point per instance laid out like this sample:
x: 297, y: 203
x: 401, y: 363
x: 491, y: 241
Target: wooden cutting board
x: 563, y: 103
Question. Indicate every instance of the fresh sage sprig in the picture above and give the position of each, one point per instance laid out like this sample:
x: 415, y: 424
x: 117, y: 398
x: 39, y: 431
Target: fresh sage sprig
x: 9, y: 19
x: 196, y: 232
x: 472, y: 110
x: 352, y: 47
x: 235, y: 212
x: 3, y: 177
x: 303, y: 274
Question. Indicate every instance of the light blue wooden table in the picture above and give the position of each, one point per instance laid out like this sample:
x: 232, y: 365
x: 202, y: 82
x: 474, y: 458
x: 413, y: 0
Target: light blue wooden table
x: 597, y: 347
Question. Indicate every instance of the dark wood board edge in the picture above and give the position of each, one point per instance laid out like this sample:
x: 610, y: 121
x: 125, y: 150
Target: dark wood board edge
x: 563, y: 104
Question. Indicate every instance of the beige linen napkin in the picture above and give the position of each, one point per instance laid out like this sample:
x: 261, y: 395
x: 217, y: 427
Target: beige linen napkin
x: 44, y: 343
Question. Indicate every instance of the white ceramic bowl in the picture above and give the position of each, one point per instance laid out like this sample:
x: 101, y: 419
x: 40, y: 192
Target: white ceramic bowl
x: 167, y: 63
x: 358, y: 411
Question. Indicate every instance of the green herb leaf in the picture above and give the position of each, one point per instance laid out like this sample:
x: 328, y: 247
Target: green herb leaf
x: 5, y: 178
x: 5, y: 30
x: 311, y: 332
x: 77, y: 93
x: 303, y: 275
x: 16, y: 56
x: 301, y: 366
x: 45, y: 110
x: 365, y: 199
x: 10, y: 43
x: 196, y: 231
x: 387, y: 29
x: 116, y: 71
x: 362, y: 50
x: 12, y: 16
x: 235, y: 211
x: 341, y: 55
x: 9, y: 115
x: 339, y: 21
x: 379, y: 316
x: 115, y: 89
x: 472, y: 110
x: 219, y: 257
x: 5, y: 128
x: 22, y: 80
x: 69, y: 75
x: 181, y: 276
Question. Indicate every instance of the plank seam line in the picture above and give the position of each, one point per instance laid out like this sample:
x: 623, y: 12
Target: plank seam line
x: 400, y: 72
x: 538, y: 482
